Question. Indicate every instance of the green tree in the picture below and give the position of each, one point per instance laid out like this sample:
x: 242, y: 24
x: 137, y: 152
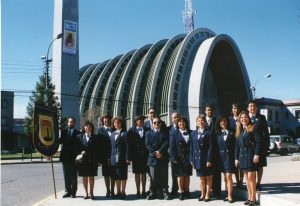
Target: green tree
x: 38, y: 97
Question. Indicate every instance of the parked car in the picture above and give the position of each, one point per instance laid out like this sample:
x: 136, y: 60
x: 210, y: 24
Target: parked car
x: 284, y: 144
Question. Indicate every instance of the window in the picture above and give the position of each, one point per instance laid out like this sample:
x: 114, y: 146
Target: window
x: 270, y: 115
x: 276, y: 116
x: 3, y: 104
x: 297, y: 114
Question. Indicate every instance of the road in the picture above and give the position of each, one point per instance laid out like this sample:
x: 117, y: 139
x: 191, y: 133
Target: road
x: 26, y: 184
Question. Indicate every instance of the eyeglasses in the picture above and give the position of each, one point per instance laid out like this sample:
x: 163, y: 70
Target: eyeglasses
x: 156, y: 122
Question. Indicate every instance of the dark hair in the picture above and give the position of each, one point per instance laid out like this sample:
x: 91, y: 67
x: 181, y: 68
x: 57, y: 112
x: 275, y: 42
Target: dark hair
x: 139, y: 117
x: 183, y: 119
x: 106, y: 116
x: 252, y: 102
x: 210, y: 106
x: 117, y: 119
x: 220, y: 119
x: 71, y: 118
x: 238, y: 106
x: 88, y: 123
x: 151, y: 108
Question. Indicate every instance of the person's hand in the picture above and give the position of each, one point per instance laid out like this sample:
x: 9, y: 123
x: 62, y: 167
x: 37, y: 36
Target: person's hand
x: 175, y: 162
x: 208, y: 164
x: 83, y: 152
x: 158, y: 155
x: 236, y: 163
x: 256, y: 159
x: 128, y: 162
x: 192, y: 164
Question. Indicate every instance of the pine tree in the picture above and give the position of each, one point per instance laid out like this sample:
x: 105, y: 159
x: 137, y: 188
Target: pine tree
x: 38, y: 97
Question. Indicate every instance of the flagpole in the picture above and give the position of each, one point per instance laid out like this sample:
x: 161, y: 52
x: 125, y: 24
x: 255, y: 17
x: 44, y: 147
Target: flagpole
x: 53, y: 177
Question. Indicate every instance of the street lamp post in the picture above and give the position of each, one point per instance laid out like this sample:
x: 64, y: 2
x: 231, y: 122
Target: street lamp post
x: 253, y: 87
x: 47, y: 61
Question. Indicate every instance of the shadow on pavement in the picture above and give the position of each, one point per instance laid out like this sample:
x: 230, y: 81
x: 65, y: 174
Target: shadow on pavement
x: 281, y: 188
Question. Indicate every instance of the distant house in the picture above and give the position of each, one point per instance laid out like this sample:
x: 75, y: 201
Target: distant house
x: 283, y: 117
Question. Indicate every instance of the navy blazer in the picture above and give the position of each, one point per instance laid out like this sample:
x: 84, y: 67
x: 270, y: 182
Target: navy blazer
x: 104, y: 141
x: 261, y: 126
x: 91, y: 148
x: 147, y: 124
x: 119, y: 149
x: 179, y: 148
x: 248, y: 145
x: 157, y: 142
x: 232, y: 123
x: 136, y: 144
x: 200, y: 150
x: 226, y: 151
x: 69, y: 146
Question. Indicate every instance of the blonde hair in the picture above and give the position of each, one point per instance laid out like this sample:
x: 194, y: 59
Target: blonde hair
x: 239, y: 126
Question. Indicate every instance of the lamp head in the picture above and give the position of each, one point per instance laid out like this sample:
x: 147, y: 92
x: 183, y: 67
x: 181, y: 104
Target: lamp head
x: 59, y: 36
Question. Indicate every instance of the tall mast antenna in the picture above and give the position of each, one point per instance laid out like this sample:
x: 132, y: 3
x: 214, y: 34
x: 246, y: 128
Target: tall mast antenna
x: 188, y: 16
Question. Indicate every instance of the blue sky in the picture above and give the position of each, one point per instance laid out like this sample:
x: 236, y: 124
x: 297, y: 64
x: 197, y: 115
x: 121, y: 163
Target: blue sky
x: 266, y: 32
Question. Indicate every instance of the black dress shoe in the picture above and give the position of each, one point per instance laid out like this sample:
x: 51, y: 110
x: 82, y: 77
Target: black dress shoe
x: 73, y: 196
x: 93, y: 197
x: 201, y: 199
x: 181, y: 196
x: 246, y: 202
x: 187, y: 195
x: 166, y: 196
x: 230, y: 201
x: 151, y: 196
x: 252, y: 203
x: 107, y: 194
x: 207, y: 200
x: 226, y: 199
x: 86, y: 197
x: 66, y: 195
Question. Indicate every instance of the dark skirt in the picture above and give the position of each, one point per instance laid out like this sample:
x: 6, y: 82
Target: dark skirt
x: 183, y: 170
x: 203, y: 172
x: 119, y: 172
x: 105, y: 169
x: 139, y: 166
x: 262, y: 161
x: 87, y: 170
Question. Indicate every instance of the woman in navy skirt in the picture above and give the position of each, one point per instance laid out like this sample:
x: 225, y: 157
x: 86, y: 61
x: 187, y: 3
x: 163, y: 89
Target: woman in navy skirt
x: 138, y: 154
x: 247, y: 153
x: 88, y: 147
x: 179, y: 155
x: 118, y: 159
x: 201, y: 156
x: 226, y: 146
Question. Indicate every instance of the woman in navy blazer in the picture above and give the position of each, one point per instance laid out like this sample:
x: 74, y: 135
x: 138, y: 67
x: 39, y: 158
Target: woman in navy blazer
x: 118, y: 158
x: 179, y: 155
x: 138, y: 154
x: 226, y: 148
x: 89, y: 148
x: 247, y: 153
x: 201, y: 156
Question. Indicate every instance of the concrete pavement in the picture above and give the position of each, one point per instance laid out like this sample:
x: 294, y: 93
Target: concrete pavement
x: 280, y: 186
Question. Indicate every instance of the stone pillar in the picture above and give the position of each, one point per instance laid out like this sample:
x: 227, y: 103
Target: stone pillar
x: 65, y: 70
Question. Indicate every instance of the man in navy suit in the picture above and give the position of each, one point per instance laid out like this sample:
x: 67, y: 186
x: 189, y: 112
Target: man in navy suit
x: 157, y: 146
x: 68, y: 154
x: 260, y: 126
x: 149, y: 122
x: 211, y: 125
x: 172, y: 130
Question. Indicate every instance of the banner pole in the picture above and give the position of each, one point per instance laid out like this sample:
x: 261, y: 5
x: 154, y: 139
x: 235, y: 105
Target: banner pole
x: 53, y: 177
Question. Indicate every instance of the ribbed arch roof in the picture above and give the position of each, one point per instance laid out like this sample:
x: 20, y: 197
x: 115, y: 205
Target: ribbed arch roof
x: 85, y: 77
x: 110, y: 90
x: 87, y: 92
x: 157, y: 72
x: 187, y: 51
x: 180, y: 74
x: 126, y: 81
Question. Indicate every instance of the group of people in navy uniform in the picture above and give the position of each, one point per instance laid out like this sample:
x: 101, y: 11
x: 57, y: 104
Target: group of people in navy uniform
x: 235, y: 145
